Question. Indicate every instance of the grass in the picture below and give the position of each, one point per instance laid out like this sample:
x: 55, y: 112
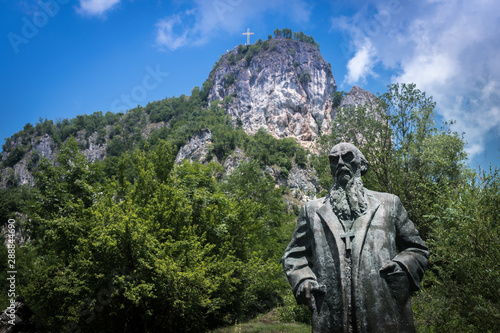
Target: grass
x: 265, y: 323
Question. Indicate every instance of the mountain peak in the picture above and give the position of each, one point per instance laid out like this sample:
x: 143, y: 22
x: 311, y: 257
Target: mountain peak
x: 282, y: 85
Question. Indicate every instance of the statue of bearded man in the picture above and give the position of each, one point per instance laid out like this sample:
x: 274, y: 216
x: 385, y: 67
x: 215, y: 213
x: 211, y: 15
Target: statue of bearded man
x: 355, y: 256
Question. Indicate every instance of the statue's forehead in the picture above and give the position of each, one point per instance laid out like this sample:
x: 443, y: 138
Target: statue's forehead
x: 341, y: 149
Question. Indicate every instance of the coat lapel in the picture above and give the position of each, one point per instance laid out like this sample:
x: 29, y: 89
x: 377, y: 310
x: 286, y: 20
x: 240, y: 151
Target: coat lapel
x: 325, y: 212
x: 361, y: 226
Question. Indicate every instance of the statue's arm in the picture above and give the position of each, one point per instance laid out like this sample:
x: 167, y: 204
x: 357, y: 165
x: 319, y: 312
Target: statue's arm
x: 297, y: 260
x: 414, y: 254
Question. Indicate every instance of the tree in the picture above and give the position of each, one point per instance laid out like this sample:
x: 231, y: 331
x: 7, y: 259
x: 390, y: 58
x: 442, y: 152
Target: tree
x: 461, y: 292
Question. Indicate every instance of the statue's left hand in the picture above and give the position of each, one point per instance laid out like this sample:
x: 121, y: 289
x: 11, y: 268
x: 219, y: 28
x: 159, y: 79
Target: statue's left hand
x: 390, y: 267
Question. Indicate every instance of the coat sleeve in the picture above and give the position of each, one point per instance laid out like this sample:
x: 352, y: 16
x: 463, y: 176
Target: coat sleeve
x: 414, y: 254
x: 297, y: 260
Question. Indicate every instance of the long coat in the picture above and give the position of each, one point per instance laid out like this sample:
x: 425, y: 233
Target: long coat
x: 317, y: 252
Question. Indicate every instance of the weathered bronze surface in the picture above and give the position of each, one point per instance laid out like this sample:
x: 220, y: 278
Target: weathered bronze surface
x: 355, y: 255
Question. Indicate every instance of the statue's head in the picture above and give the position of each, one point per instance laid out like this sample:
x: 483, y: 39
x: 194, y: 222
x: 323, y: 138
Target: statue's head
x: 347, y: 162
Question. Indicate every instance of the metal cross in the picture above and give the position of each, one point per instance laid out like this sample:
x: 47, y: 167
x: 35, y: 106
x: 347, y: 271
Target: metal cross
x: 348, y: 236
x: 248, y: 33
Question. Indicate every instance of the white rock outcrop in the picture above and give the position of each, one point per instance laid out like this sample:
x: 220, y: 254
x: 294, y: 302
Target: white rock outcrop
x: 196, y: 149
x: 285, y: 86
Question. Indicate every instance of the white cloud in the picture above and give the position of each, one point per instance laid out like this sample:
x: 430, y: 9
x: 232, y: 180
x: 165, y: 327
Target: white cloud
x: 448, y: 48
x: 167, y: 37
x: 96, y: 7
x: 360, y: 66
x: 206, y: 19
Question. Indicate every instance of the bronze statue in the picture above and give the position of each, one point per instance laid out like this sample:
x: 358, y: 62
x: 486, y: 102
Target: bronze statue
x: 355, y: 255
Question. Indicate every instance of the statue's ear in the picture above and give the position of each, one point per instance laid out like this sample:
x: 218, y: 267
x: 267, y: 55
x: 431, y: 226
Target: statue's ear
x: 364, y: 167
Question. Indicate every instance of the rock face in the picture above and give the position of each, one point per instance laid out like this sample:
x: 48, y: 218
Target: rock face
x: 232, y: 161
x: 17, y: 318
x: 22, y: 174
x: 44, y: 146
x: 303, y: 183
x: 281, y: 84
x: 95, y: 151
x: 196, y: 149
x: 20, y: 237
x: 358, y: 96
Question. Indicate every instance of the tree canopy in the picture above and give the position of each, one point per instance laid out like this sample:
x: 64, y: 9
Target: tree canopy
x: 173, y: 250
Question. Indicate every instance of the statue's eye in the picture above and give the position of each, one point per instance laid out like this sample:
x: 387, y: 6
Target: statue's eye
x: 334, y: 159
x: 348, y: 157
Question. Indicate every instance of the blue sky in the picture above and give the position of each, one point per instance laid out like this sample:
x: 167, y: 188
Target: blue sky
x: 61, y: 58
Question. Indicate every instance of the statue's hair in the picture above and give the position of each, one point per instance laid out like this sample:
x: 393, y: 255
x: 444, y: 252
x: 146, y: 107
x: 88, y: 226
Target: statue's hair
x: 355, y: 150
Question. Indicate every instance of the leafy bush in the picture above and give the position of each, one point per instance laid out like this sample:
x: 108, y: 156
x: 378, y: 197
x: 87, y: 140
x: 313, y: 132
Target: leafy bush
x: 288, y: 33
x: 337, y: 98
x: 34, y: 159
x: 14, y: 156
x: 291, y: 312
x: 228, y: 80
x: 305, y: 77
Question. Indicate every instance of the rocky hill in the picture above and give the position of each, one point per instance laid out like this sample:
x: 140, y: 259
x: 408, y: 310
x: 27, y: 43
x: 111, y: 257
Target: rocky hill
x: 281, y: 85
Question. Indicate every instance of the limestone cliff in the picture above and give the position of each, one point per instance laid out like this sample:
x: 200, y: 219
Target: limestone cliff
x: 196, y: 149
x: 281, y: 84
x: 358, y: 96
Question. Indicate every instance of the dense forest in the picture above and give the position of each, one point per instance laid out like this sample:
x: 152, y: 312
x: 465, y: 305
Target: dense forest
x: 136, y: 242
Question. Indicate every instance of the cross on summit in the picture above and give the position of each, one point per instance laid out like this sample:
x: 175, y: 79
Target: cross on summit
x: 248, y: 33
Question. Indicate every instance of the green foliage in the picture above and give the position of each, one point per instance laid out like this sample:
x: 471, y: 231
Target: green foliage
x: 116, y: 146
x: 464, y: 277
x: 14, y: 156
x: 24, y: 258
x: 291, y: 312
x: 228, y: 80
x: 267, y: 150
x: 207, y: 85
x: 63, y: 188
x: 166, y: 248
x: 337, y: 98
x: 12, y: 200
x: 129, y: 126
x: 253, y: 50
x: 288, y: 33
x: 34, y: 159
x: 305, y: 77
x: 45, y: 127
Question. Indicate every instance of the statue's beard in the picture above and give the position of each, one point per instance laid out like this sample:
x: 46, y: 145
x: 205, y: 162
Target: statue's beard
x: 348, y: 202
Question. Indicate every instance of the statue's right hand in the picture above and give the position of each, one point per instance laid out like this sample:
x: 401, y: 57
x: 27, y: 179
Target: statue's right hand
x: 305, y: 290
